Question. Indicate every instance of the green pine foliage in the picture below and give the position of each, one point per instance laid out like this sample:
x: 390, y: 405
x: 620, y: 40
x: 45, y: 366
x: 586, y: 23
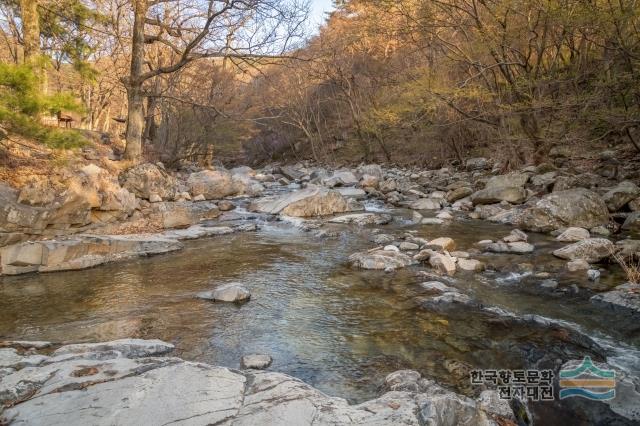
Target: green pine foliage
x: 21, y: 102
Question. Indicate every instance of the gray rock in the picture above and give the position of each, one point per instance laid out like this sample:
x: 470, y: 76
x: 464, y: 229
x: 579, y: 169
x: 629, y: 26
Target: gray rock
x: 471, y: 265
x: 380, y: 259
x: 426, y: 204
x: 459, y: 193
x: 618, y: 197
x: 513, y: 195
x: 478, y: 163
x: 592, y: 250
x: 128, y: 348
x: 578, y: 265
x: 340, y: 178
x: 632, y: 223
x: 212, y: 184
x: 363, y: 219
x: 80, y: 252
x: 574, y: 207
x: 624, y: 300
x: 573, y: 234
x: 256, y: 361
x: 232, y: 292
x: 593, y: 274
x: 308, y: 202
x: 515, y: 236
x: 443, y: 263
x: 510, y: 180
x: 133, y: 391
x: 146, y: 179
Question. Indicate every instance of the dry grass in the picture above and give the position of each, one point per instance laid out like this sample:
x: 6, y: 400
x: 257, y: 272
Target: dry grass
x: 630, y: 265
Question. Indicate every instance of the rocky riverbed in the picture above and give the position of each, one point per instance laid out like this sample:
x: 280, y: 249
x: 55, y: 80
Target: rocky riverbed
x: 341, y: 276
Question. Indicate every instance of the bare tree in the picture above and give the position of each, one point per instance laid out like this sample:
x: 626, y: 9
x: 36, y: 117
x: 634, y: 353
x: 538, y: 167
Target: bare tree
x: 191, y: 30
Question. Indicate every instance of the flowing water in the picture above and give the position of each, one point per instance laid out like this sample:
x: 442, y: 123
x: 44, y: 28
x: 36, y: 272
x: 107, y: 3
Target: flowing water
x: 338, y: 328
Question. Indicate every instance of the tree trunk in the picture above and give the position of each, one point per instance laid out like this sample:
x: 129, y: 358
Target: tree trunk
x: 31, y: 39
x: 135, y: 98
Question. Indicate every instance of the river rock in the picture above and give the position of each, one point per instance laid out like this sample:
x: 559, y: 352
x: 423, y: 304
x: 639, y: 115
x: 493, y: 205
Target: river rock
x: 471, y: 265
x: 128, y: 348
x: 232, y: 292
x: 291, y: 172
x: 591, y: 250
x: 518, y: 247
x: 362, y: 219
x: 408, y: 246
x: 623, y: 193
x: 478, y: 163
x: 226, y: 205
x: 573, y: 234
x: 212, y: 184
x: 459, y: 193
x: 623, y: 300
x: 516, y: 235
x: 349, y: 192
x: 340, y: 178
x: 80, y: 252
x: 426, y: 204
x: 509, y: 180
x: 443, y: 263
x: 443, y: 243
x: 256, y: 361
x: 368, y: 181
x: 146, y: 179
x: 371, y: 170
x: 436, y: 287
x: 632, y: 222
x: 574, y: 207
x: 381, y: 259
x: 510, y: 194
x: 308, y: 202
x: 578, y: 265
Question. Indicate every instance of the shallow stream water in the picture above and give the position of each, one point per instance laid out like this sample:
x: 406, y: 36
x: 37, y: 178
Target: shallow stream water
x: 335, y: 327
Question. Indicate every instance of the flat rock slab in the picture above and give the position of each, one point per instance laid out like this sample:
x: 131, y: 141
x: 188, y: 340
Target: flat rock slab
x: 624, y: 299
x: 103, y: 387
x: 83, y: 251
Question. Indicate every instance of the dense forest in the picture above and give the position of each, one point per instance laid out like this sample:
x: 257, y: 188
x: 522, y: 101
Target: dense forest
x: 409, y: 81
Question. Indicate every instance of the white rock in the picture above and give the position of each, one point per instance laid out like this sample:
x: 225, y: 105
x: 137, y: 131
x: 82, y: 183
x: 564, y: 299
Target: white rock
x: 256, y: 361
x: 573, y: 234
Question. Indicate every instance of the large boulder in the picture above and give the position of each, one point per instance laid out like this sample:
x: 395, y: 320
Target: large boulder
x: 308, y: 202
x: 591, y: 250
x: 212, y: 184
x: 510, y: 180
x: 618, y: 197
x: 511, y: 194
x: 147, y: 179
x: 574, y: 207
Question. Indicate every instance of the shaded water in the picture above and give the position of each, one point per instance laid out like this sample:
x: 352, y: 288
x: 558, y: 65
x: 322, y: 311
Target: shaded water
x: 335, y: 327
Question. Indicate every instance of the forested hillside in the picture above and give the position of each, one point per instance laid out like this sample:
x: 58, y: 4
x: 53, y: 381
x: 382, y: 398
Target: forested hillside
x: 409, y: 81
x: 423, y: 81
